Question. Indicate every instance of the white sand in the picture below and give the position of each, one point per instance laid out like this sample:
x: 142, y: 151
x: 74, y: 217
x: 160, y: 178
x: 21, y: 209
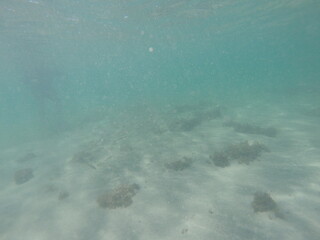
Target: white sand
x: 200, y: 202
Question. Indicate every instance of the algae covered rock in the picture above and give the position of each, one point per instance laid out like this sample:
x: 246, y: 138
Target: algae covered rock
x: 84, y: 157
x: 246, y: 152
x: 220, y: 159
x: 27, y: 157
x: 120, y: 197
x: 312, y: 112
x: 185, y: 124
x: 23, y: 175
x: 89, y: 155
x: 262, y: 202
x: 252, y: 129
x: 63, y: 195
x: 243, y: 152
x: 179, y: 165
x: 188, y: 117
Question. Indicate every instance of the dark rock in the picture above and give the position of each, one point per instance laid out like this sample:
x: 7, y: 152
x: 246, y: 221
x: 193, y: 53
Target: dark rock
x: 262, y: 202
x: 119, y: 197
x: 220, y: 159
x: 252, y: 129
x: 27, y: 157
x: 185, y: 124
x: 23, y: 175
x: 179, y: 165
x: 63, y: 195
x: 243, y: 152
x: 312, y: 112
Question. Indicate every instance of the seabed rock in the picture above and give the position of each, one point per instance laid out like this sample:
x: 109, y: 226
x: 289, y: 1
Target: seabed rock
x: 27, y: 157
x: 23, y: 175
x: 63, y: 195
x: 243, y: 152
x: 179, y: 165
x: 262, y: 202
x: 89, y: 155
x: 220, y: 159
x: 185, y: 124
x: 312, y: 112
x: 246, y: 152
x: 120, y: 197
x: 188, y: 117
x: 252, y: 129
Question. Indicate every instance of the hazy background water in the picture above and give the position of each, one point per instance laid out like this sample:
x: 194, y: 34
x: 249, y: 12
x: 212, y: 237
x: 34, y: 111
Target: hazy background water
x: 64, y: 63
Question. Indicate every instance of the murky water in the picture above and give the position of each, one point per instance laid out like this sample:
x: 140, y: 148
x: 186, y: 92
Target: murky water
x: 216, y: 96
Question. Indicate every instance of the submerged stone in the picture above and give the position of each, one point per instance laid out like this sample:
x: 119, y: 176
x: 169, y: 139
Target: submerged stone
x: 252, y: 129
x: 63, y: 195
x: 185, y: 124
x: 243, y: 152
x: 262, y: 202
x: 179, y: 165
x: 220, y: 159
x: 23, y: 175
x: 27, y: 157
x: 246, y: 152
x: 120, y: 197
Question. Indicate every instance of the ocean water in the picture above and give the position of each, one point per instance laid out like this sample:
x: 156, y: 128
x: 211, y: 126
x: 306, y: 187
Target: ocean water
x: 179, y: 119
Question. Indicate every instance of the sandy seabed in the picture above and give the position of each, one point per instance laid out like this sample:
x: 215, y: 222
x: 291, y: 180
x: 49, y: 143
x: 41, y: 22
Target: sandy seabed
x: 151, y: 175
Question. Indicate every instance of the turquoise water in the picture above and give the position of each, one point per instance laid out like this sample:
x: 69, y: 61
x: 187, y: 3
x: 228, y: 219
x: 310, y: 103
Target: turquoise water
x: 91, y: 55
x: 119, y: 67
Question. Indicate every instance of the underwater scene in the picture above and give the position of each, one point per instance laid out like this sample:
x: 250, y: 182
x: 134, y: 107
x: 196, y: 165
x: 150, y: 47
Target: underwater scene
x: 159, y: 119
